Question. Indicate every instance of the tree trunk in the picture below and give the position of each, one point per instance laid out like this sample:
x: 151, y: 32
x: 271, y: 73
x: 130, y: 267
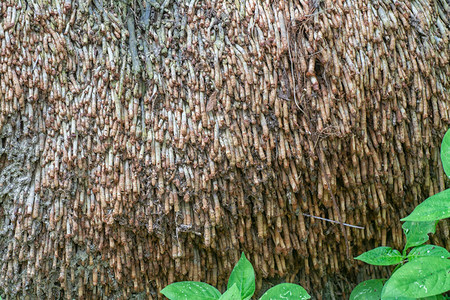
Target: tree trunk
x: 152, y: 141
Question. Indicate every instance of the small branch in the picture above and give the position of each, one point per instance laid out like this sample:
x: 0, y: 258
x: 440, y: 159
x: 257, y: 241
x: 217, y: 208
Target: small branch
x: 333, y: 221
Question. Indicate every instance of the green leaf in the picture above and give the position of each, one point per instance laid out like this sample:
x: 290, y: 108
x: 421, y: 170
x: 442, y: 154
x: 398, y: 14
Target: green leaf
x: 434, y: 208
x: 422, y: 277
x: 368, y: 290
x: 231, y: 294
x: 398, y: 298
x: 426, y: 251
x: 286, y: 291
x: 381, y: 256
x: 187, y: 290
x: 437, y: 297
x: 417, y: 232
x: 243, y: 276
x: 445, y: 153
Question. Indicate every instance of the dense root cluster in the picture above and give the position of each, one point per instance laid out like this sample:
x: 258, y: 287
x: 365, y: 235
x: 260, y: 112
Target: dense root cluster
x: 144, y: 142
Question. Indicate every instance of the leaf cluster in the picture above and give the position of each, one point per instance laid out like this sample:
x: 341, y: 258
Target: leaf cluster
x: 241, y: 285
x: 424, y: 271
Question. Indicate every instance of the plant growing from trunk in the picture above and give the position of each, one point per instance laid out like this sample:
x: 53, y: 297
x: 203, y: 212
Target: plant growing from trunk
x: 241, y: 285
x: 424, y: 271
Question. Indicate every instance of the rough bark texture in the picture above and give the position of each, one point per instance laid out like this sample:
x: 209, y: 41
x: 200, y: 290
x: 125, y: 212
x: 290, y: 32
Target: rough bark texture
x: 147, y: 142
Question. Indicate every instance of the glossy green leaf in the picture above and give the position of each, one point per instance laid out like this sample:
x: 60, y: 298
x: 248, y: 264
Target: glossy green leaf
x: 422, y: 277
x: 187, y: 290
x: 428, y: 250
x: 243, y: 276
x: 286, y: 291
x: 437, y: 297
x: 445, y: 153
x: 232, y: 293
x: 417, y: 232
x: 434, y: 208
x: 368, y: 290
x: 398, y: 298
x: 381, y: 256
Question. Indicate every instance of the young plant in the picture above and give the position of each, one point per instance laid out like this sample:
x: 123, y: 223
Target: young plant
x: 425, y: 270
x: 241, y: 285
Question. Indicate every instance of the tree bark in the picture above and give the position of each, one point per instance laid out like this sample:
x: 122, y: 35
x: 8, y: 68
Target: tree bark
x: 147, y: 142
